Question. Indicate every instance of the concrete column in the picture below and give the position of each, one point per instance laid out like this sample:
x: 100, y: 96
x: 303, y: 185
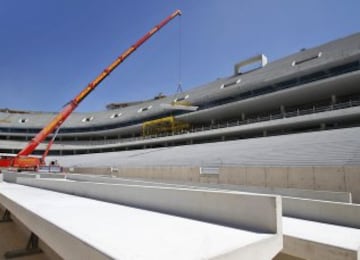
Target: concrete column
x: 282, y: 110
x: 333, y: 99
x: 243, y: 117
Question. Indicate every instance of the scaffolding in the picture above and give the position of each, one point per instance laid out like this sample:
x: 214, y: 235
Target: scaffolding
x: 163, y: 125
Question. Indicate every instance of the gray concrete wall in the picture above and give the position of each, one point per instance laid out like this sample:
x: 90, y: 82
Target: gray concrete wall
x: 341, y: 179
x: 226, y: 208
x: 10, y: 176
x: 300, y: 193
x: 342, y: 214
x: 338, y: 213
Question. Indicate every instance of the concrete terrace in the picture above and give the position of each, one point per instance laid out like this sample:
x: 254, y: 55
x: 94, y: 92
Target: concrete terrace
x: 339, y: 147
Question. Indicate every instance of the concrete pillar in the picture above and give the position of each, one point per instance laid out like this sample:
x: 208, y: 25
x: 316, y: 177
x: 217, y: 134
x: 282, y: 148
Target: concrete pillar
x: 243, y: 117
x: 282, y: 110
x: 333, y: 99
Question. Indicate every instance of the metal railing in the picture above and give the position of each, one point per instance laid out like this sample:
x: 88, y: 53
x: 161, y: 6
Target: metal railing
x: 233, y: 123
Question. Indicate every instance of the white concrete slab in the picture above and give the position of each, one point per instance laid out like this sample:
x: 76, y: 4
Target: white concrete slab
x: 337, y: 236
x: 315, y: 240
x: 122, y: 232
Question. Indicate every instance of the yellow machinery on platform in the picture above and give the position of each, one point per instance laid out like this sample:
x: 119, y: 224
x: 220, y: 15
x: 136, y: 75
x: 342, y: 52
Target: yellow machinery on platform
x: 163, y: 125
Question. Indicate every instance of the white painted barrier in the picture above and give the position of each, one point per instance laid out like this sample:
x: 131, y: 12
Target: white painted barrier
x: 232, y: 209
x: 301, y: 193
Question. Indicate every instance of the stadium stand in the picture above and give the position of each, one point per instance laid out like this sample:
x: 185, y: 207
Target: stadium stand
x: 313, y: 89
x: 287, y: 130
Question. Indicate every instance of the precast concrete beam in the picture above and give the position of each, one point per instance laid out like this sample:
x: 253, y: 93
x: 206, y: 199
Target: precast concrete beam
x: 227, y: 208
x: 337, y: 213
x: 290, y: 192
x: 82, y: 228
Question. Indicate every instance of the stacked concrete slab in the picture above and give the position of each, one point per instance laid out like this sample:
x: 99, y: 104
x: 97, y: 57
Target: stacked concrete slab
x: 316, y: 225
x: 145, y: 222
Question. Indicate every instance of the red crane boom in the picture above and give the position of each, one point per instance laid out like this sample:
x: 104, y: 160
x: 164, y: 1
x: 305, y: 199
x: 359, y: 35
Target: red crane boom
x: 22, y: 160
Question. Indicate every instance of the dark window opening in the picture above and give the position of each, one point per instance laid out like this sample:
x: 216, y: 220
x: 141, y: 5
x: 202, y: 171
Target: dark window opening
x: 307, y: 59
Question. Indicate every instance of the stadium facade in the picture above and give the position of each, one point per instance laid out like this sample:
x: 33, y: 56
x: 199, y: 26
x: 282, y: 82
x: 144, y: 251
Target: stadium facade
x: 314, y: 89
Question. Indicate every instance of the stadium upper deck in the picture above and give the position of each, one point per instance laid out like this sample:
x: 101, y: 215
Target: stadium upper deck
x: 310, y: 81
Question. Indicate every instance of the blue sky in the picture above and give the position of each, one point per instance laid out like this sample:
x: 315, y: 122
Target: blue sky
x: 51, y: 49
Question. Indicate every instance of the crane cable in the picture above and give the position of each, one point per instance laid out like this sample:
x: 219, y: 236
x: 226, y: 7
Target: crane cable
x: 179, y: 87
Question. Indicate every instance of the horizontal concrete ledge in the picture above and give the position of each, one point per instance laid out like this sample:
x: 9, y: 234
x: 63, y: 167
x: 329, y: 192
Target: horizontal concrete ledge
x: 122, y: 232
x: 346, y: 113
x: 231, y: 209
x: 290, y: 192
x: 9, y: 176
x: 313, y: 240
x: 65, y: 244
x: 337, y: 213
x: 344, y: 214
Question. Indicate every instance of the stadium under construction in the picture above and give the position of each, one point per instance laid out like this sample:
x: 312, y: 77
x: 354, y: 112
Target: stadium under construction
x: 262, y: 164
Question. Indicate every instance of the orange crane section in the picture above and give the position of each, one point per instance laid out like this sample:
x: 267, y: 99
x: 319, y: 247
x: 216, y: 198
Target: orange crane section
x: 22, y: 160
